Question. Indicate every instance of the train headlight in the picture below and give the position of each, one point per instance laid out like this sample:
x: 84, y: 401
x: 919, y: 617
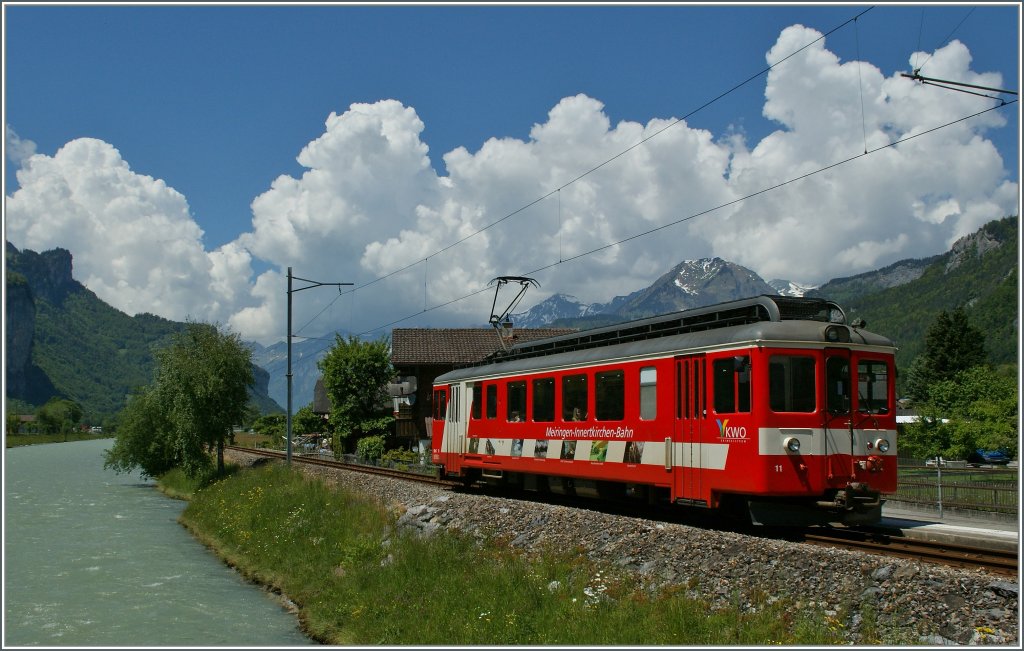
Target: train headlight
x: 792, y: 444
x: 882, y: 445
x: 837, y: 334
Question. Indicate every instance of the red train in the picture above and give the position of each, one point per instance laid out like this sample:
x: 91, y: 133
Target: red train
x: 770, y: 406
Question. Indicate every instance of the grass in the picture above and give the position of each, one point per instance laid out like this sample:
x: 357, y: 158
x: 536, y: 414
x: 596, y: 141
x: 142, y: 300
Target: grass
x: 179, y: 486
x: 359, y: 582
x: 16, y: 440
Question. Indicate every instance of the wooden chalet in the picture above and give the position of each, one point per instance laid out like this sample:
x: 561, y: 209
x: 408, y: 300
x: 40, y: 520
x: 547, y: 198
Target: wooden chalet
x: 421, y: 354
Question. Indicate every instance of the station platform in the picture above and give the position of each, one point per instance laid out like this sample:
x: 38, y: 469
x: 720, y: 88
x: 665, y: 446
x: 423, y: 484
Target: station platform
x: 993, y: 531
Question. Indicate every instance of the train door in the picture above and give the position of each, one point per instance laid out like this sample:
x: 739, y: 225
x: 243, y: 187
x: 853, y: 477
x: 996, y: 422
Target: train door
x: 454, y: 429
x: 838, y: 439
x: 690, y: 419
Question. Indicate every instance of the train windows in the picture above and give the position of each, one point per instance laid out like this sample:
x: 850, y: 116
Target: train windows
x: 440, y: 404
x: 837, y: 385
x: 732, y: 384
x: 478, y: 397
x: 610, y: 395
x: 791, y: 383
x: 516, y: 412
x: 648, y: 393
x: 872, y: 387
x: 492, y: 401
x: 544, y: 400
x: 574, y: 397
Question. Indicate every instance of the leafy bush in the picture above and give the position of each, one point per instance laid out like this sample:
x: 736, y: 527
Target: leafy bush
x: 370, y: 448
x: 401, y: 455
x: 400, y: 458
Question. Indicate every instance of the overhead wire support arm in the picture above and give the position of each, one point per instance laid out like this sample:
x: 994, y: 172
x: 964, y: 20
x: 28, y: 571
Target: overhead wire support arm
x: 314, y: 283
x: 288, y: 375
x: 945, y: 83
x: 502, y: 321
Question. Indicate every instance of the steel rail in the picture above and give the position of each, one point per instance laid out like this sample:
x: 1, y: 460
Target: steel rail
x: 341, y: 465
x: 932, y: 551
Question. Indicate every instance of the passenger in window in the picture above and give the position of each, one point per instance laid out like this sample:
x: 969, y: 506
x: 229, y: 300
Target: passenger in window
x: 515, y: 418
x: 576, y: 415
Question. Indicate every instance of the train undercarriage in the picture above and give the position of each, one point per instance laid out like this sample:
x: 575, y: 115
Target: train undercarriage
x: 856, y: 504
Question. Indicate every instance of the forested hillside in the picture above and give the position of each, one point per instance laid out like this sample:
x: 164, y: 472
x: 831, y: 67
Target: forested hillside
x: 979, y: 273
x: 94, y: 354
x: 62, y: 340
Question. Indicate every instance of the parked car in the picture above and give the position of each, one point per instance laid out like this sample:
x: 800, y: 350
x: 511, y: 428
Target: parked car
x: 990, y: 457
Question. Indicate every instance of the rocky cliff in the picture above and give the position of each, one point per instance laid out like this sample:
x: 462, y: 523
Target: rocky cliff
x: 21, y: 324
x: 62, y: 340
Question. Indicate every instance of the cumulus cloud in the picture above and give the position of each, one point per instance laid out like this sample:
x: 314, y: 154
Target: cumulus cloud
x: 371, y: 210
x: 133, y: 240
x: 18, y: 151
x: 909, y: 200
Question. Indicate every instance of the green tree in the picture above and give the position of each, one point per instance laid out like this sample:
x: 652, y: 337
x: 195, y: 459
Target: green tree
x: 143, y: 436
x: 977, y: 408
x: 952, y: 345
x: 58, y: 415
x: 306, y: 422
x: 272, y: 425
x: 355, y: 375
x: 13, y: 423
x: 204, y: 375
x: 199, y: 392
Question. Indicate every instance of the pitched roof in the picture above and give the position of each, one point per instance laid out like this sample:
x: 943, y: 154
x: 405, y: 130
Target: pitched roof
x: 321, y: 401
x: 455, y: 345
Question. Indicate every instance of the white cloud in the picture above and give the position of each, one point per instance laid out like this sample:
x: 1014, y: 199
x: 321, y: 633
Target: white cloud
x: 906, y: 201
x: 18, y: 151
x: 131, y: 236
x: 369, y: 203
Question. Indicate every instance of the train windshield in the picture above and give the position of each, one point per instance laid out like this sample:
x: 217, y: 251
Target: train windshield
x: 871, y: 386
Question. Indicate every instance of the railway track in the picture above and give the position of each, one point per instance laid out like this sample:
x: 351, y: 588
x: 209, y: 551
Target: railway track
x: 932, y: 551
x: 332, y: 463
x: 869, y: 541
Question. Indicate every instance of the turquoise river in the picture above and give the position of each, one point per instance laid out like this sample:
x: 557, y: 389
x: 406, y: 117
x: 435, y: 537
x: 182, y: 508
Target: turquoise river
x: 93, y: 558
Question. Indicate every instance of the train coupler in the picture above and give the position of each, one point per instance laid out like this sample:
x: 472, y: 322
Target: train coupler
x: 855, y: 497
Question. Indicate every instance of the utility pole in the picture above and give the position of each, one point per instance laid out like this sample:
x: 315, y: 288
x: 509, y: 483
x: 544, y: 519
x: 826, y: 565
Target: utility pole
x: 313, y: 283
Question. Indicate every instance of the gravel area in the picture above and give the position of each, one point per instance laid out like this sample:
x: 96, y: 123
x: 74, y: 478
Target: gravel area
x: 916, y: 603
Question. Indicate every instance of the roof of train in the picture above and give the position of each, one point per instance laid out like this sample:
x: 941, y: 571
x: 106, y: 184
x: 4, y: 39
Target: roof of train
x: 775, y: 332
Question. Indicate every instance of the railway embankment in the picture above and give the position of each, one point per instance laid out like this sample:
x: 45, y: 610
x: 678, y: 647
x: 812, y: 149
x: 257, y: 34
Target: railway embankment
x: 866, y: 599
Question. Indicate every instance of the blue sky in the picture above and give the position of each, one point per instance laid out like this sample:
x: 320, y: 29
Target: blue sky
x: 217, y: 102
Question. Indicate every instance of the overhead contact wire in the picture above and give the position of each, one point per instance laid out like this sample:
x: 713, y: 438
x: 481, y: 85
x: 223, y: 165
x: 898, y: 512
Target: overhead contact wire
x: 622, y: 153
x: 713, y: 209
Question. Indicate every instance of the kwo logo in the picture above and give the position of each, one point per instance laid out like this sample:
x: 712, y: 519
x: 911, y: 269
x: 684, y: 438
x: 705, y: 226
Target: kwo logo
x: 726, y: 432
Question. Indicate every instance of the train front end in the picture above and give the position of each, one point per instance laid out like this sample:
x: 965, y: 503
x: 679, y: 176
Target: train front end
x: 827, y: 437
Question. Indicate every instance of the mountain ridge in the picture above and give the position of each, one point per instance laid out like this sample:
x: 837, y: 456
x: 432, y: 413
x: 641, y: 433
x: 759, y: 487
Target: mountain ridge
x: 45, y: 305
x: 63, y: 340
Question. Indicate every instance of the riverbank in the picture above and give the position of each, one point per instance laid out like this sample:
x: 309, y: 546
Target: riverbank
x: 18, y: 440
x: 356, y: 576
x: 359, y: 572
